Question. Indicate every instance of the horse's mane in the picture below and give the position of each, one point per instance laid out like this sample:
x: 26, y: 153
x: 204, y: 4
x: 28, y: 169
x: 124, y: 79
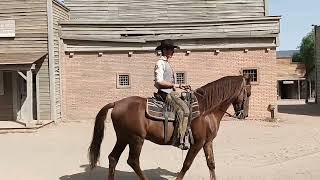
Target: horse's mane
x: 213, y: 94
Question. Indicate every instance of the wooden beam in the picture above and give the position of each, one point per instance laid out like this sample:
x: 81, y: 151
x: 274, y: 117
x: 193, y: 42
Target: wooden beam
x: 60, y: 49
x: 194, y: 47
x: 266, y: 7
x: 51, y: 61
x: 22, y: 75
x: 103, y: 22
x: 29, y: 99
x: 13, y: 67
x: 33, y: 67
x: 99, y: 38
x: 144, y: 39
x: 58, y: 3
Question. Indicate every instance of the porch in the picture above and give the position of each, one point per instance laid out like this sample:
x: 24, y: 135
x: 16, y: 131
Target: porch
x: 19, y: 90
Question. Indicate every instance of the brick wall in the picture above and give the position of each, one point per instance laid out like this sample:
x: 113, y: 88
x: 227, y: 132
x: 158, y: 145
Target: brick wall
x: 89, y: 81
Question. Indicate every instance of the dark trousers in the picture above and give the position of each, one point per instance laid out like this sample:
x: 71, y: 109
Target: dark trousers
x: 162, y: 96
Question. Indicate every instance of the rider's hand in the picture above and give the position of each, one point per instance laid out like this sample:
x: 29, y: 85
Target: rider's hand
x: 176, y: 86
x: 179, y: 90
x: 186, y: 87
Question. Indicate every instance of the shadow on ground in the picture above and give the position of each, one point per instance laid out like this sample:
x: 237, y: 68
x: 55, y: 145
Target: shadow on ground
x: 311, y: 109
x: 100, y: 173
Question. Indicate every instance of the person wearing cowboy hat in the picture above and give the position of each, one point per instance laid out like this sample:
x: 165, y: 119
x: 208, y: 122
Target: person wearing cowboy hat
x: 167, y: 90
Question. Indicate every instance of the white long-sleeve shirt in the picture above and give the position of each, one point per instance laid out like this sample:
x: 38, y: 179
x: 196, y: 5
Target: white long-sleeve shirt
x: 163, y: 71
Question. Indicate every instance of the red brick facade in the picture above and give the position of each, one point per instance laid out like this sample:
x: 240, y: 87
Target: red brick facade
x: 89, y: 81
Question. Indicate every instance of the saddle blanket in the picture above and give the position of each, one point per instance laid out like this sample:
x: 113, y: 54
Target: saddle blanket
x: 157, y: 109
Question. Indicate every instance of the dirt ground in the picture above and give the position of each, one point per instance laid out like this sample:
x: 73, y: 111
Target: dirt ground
x: 244, y: 150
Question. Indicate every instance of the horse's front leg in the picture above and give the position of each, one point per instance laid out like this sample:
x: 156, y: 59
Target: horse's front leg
x: 208, y: 151
x: 192, y: 153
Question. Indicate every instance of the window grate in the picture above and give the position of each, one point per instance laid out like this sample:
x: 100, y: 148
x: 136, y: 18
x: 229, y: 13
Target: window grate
x: 180, y: 78
x: 252, y: 73
x: 123, y: 80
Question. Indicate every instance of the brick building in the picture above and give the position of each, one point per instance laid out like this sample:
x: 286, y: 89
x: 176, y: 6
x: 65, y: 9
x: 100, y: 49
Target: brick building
x: 107, y: 53
x: 291, y: 76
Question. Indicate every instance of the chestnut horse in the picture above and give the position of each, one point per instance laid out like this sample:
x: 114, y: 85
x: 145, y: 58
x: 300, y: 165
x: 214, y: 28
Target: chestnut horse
x: 132, y: 126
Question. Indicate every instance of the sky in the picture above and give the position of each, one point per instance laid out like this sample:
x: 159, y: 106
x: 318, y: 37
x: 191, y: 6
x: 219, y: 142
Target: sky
x: 297, y: 18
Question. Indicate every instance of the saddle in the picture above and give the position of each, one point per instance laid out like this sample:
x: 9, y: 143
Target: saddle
x: 159, y: 110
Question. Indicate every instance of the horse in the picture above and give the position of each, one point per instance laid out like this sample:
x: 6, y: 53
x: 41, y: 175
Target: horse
x: 133, y: 127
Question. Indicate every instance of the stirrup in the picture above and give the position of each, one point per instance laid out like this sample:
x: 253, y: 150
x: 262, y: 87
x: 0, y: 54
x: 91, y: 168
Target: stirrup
x: 183, y: 147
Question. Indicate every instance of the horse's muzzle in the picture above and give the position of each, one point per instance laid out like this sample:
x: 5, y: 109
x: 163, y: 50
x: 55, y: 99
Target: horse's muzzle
x: 240, y: 114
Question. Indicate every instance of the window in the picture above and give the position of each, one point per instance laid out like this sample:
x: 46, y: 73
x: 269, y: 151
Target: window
x: 180, y: 78
x: 123, y: 80
x: 253, y: 74
x: 1, y: 84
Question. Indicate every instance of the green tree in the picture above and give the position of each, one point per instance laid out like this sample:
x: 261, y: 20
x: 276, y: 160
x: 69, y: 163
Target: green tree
x: 306, y: 53
x: 306, y: 56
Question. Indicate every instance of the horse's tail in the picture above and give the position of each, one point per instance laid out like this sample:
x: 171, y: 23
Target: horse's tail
x: 98, y: 133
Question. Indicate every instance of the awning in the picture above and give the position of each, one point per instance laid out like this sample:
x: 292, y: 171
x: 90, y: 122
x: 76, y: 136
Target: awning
x: 21, y: 58
x: 290, y: 77
x: 21, y: 61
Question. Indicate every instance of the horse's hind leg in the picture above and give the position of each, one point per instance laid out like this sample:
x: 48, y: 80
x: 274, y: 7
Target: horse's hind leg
x: 135, y: 146
x: 114, y: 157
x: 208, y: 151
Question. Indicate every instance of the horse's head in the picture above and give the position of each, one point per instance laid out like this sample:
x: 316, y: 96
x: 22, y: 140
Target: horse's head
x: 241, y: 102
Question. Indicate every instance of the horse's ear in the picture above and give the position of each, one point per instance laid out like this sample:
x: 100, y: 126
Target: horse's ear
x: 247, y: 78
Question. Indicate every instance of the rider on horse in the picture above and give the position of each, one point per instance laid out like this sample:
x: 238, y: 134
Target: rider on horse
x: 167, y: 90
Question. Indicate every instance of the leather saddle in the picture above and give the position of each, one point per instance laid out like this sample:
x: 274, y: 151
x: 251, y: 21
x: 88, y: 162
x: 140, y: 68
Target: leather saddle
x: 159, y: 110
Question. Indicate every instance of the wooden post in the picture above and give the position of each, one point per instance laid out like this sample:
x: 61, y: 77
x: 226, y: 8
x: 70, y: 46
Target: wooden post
x: 299, y: 91
x: 51, y: 61
x: 266, y: 7
x: 38, y: 94
x: 14, y: 95
x: 29, y: 98
x: 310, y: 89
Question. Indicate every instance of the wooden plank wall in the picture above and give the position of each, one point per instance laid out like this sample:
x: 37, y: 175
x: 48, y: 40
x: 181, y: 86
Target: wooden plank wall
x: 31, y: 36
x: 31, y: 25
x: 160, y: 10
x: 134, y: 35
x: 60, y: 13
x: 44, y: 91
x: 145, y: 31
x: 196, y: 45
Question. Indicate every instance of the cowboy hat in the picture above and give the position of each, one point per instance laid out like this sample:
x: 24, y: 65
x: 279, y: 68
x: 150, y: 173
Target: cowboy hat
x: 166, y: 44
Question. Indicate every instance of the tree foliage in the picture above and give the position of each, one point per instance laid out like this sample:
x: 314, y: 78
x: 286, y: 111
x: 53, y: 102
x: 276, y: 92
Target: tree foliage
x: 306, y: 52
